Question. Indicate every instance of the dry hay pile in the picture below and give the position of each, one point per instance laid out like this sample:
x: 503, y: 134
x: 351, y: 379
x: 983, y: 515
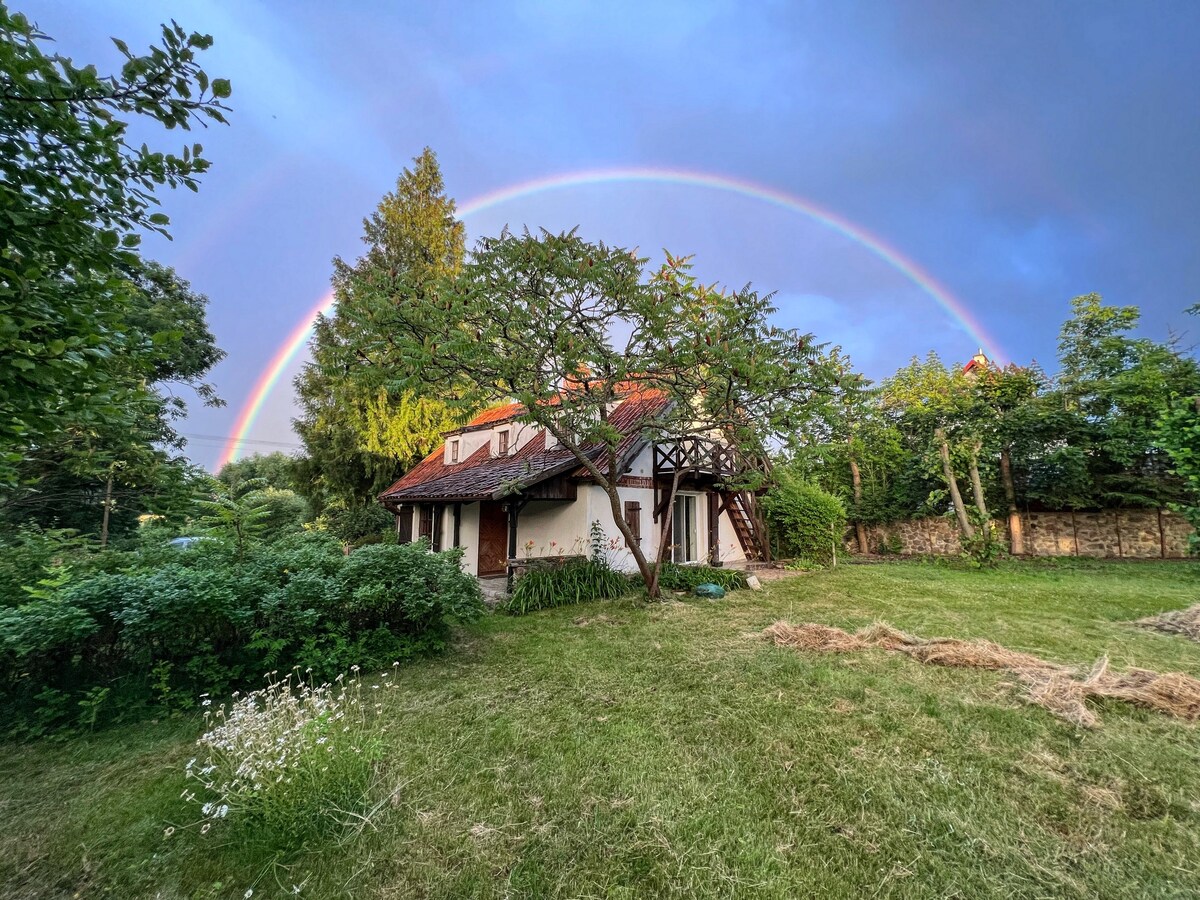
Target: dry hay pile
x: 1058, y: 688
x: 1176, y: 621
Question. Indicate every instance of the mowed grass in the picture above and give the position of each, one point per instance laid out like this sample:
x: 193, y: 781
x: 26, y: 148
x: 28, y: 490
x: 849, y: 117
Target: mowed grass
x: 624, y: 750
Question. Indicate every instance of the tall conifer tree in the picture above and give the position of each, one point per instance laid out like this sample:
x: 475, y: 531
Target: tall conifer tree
x: 360, y: 434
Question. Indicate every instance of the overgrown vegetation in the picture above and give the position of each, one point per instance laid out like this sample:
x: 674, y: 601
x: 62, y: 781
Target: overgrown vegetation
x: 663, y: 750
x: 127, y: 632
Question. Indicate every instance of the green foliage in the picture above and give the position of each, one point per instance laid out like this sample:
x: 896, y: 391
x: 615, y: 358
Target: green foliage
x: 236, y: 514
x: 1113, y: 389
x: 1179, y: 434
x: 360, y: 432
x: 572, y: 581
x: 29, y: 553
x: 213, y: 618
x: 64, y: 482
x: 274, y: 470
x: 674, y: 577
x: 75, y: 195
x: 356, y: 524
x: 982, y: 549
x: 805, y: 520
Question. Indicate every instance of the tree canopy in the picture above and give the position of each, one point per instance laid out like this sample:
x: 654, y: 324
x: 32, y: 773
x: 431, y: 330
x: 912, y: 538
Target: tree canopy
x: 75, y: 198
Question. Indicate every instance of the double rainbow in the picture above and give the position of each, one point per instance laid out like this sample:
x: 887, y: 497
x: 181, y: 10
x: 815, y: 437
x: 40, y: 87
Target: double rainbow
x: 298, y: 337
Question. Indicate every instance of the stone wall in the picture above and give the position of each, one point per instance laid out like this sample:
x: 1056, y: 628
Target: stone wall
x: 1116, y: 533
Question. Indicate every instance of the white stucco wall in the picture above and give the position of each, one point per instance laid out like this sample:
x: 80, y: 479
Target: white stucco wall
x: 468, y: 537
x: 731, y: 548
x: 552, y: 527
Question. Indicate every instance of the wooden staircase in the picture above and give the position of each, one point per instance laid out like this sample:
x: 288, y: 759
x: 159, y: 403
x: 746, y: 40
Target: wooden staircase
x: 742, y: 509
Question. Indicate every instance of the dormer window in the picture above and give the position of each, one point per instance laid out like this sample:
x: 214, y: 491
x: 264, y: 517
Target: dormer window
x: 502, y: 443
x: 454, y: 451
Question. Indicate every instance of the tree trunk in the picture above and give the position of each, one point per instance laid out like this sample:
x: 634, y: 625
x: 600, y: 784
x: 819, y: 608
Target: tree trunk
x: 609, y: 485
x: 664, y: 529
x: 1016, y: 537
x: 977, y: 483
x: 107, y: 506
x: 860, y: 530
x: 960, y: 511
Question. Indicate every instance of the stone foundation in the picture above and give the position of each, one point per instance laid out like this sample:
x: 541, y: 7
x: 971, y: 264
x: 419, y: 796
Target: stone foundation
x: 1111, y: 533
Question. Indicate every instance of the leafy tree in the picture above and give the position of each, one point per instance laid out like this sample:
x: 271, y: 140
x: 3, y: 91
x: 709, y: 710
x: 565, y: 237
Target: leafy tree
x: 1010, y: 421
x: 276, y: 470
x: 567, y: 327
x: 1179, y: 436
x: 1114, y: 389
x: 1178, y: 433
x: 100, y: 474
x: 74, y: 197
x: 933, y: 409
x: 360, y: 431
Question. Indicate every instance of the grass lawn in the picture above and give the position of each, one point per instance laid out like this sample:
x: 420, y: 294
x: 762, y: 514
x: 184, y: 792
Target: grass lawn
x: 624, y: 750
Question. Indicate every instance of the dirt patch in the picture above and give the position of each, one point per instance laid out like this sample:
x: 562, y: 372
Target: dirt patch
x: 1175, y: 621
x: 1061, y: 689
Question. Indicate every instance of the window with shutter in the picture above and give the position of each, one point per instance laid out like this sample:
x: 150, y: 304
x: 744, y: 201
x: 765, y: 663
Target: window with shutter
x: 633, y: 518
x: 502, y: 443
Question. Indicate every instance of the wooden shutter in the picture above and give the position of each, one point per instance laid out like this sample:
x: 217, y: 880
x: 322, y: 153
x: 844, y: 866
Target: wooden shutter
x: 404, y: 524
x: 425, y: 526
x: 633, y: 518
x: 502, y: 443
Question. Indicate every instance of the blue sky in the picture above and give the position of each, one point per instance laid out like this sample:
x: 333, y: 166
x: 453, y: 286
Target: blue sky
x: 1022, y: 153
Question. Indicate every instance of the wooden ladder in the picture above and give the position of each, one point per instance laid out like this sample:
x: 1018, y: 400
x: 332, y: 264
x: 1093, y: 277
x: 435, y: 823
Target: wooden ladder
x: 743, y: 523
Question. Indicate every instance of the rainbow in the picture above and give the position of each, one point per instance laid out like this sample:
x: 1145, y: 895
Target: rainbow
x: 297, y: 339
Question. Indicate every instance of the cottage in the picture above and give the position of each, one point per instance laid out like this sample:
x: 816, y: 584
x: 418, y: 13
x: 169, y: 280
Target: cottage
x: 508, y: 494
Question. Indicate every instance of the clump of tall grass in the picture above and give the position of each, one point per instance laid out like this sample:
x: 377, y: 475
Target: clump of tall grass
x: 291, y: 762
x: 575, y: 581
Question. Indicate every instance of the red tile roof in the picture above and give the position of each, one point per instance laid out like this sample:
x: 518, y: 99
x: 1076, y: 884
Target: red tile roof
x: 482, y: 476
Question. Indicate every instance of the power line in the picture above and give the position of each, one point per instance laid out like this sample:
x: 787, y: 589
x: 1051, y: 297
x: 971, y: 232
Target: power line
x: 225, y: 440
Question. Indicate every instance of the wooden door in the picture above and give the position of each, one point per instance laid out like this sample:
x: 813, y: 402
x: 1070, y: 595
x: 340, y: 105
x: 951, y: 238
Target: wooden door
x: 493, y: 538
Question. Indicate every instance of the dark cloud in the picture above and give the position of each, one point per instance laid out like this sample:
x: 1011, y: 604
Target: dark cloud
x: 1021, y: 152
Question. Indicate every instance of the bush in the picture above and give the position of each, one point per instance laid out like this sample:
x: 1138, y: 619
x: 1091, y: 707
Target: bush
x: 367, y: 523
x: 575, y: 581
x: 209, y: 620
x: 805, y: 521
x: 984, y: 549
x: 674, y: 577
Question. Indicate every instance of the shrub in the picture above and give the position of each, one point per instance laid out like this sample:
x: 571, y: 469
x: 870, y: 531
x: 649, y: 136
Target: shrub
x: 28, y: 553
x: 209, y: 620
x: 805, y: 521
x: 983, y: 549
x: 574, y: 581
x: 356, y: 525
x: 289, y: 763
x: 674, y: 577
